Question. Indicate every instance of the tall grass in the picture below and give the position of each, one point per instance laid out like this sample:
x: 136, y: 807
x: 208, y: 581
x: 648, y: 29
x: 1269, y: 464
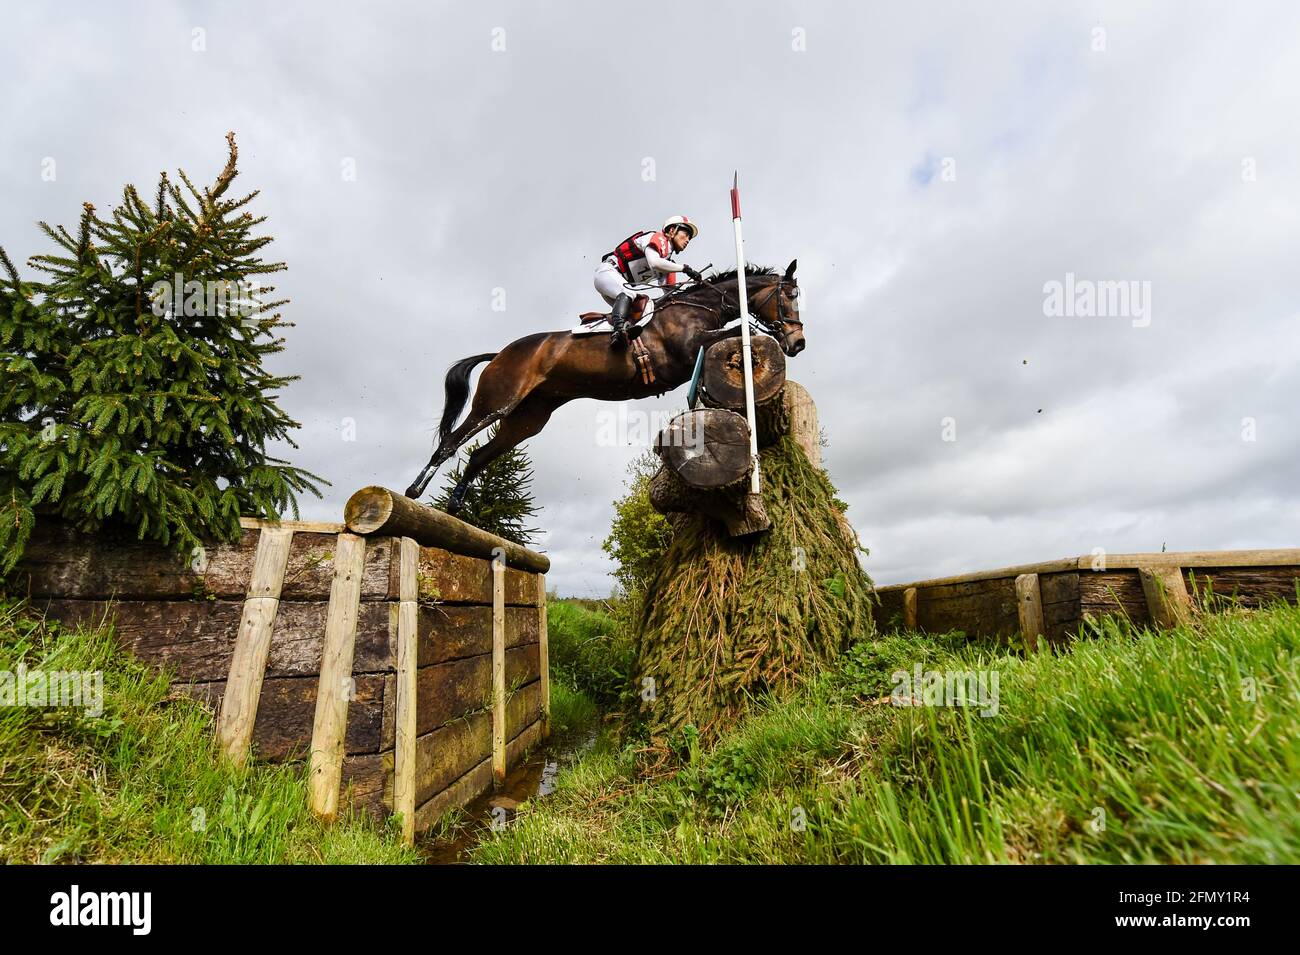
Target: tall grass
x: 141, y: 782
x: 1131, y: 747
x: 589, y: 650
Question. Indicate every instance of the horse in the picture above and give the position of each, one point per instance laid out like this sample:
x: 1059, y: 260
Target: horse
x: 525, y: 382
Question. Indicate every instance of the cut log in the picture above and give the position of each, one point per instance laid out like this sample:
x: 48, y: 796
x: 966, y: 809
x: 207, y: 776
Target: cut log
x: 741, y: 511
x: 380, y: 512
x: 722, y: 382
x: 706, y: 470
x: 707, y: 448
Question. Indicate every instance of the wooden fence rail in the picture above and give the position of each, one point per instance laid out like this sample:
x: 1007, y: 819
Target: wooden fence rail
x: 1052, y: 599
x: 370, y: 656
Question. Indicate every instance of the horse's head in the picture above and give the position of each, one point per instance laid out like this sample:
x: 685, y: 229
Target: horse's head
x: 774, y: 304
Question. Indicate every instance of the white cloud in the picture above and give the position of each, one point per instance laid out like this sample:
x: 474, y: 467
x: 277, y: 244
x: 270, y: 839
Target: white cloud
x: 478, y: 170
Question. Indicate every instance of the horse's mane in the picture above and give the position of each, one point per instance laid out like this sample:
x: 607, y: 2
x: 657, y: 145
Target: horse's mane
x: 684, y: 291
x: 731, y: 273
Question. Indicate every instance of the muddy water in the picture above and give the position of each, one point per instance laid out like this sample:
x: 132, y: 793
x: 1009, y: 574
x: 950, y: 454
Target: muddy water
x: 532, y: 779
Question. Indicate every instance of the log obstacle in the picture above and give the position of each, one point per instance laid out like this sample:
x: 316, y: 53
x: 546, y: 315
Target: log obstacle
x: 705, y: 451
x: 1051, y: 600
x: 706, y: 469
x: 378, y: 512
x: 753, y: 590
x: 409, y: 669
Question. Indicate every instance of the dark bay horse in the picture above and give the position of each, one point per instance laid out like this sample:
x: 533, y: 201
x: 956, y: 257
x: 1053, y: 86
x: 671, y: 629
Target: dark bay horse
x: 527, y: 380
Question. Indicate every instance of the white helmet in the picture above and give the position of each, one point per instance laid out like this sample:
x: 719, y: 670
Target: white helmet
x: 684, y: 222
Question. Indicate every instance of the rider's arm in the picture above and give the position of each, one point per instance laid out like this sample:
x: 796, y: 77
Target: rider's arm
x: 659, y: 263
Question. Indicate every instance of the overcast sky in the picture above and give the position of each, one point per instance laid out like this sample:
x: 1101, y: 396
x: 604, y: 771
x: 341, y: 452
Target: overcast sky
x: 933, y: 167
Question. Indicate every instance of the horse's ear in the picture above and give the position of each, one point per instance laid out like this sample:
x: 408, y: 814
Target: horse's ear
x: 789, y: 272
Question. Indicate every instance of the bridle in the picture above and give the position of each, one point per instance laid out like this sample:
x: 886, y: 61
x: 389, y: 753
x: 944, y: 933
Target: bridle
x: 775, y: 329
x: 781, y: 316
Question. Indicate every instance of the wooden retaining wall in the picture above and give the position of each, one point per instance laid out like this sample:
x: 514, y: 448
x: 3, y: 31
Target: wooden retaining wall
x: 410, y: 677
x: 1053, y: 599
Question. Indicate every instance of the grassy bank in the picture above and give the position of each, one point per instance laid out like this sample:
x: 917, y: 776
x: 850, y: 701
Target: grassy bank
x: 139, y: 782
x: 588, y: 651
x: 1181, y: 746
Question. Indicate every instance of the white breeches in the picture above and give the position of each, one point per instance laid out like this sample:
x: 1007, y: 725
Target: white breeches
x: 610, y: 284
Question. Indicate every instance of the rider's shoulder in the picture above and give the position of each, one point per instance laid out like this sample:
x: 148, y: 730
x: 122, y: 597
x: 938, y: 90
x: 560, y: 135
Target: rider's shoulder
x: 660, y: 242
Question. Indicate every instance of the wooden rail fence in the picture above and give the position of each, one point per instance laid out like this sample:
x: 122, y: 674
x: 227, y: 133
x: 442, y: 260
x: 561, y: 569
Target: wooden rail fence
x: 411, y: 671
x: 1052, y: 599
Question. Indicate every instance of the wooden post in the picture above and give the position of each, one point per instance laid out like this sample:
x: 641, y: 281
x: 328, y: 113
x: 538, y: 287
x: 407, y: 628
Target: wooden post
x: 1167, y: 598
x: 544, y: 654
x: 498, y: 671
x: 909, y: 609
x: 1029, y: 605
x: 803, y: 421
x: 335, y: 688
x: 253, y: 644
x: 408, y: 616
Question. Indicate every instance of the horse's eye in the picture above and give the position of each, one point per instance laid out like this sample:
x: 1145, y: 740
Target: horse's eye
x: 794, y: 292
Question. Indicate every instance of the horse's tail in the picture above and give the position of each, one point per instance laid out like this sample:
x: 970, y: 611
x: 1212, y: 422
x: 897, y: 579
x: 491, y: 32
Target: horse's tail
x: 458, y: 391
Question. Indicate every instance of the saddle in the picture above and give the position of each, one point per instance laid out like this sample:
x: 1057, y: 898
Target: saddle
x: 633, y: 317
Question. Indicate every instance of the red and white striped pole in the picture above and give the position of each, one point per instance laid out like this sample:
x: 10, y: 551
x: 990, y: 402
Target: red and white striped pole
x: 746, y: 353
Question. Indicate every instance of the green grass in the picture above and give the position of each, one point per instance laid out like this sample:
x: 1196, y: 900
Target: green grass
x: 1132, y: 747
x: 141, y: 783
x: 1181, y: 746
x: 589, y: 650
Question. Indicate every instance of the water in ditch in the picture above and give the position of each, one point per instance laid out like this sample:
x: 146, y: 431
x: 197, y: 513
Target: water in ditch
x: 534, y: 778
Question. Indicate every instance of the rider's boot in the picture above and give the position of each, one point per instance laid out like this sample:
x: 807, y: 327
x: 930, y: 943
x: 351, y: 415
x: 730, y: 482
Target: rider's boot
x: 618, y: 321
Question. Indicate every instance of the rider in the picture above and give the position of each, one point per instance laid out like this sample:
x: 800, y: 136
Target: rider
x: 642, y: 259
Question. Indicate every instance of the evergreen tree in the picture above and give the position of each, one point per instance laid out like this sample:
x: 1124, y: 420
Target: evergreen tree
x: 134, y: 393
x: 500, y: 499
x: 639, y: 534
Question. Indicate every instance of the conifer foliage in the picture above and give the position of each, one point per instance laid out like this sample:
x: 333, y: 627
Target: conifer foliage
x: 500, y: 501
x: 133, y: 392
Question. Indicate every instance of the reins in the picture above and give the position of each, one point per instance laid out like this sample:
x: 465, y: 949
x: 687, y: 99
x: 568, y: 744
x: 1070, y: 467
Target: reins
x: 677, y: 298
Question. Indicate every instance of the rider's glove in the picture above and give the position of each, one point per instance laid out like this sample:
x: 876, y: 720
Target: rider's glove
x: 691, y: 273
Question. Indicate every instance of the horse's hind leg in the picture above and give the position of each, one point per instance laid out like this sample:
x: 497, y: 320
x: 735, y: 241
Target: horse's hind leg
x: 495, y: 397
x: 520, y: 424
x: 471, y: 426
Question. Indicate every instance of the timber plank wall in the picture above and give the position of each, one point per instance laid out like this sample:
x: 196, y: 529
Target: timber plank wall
x: 1053, y: 599
x: 277, y: 615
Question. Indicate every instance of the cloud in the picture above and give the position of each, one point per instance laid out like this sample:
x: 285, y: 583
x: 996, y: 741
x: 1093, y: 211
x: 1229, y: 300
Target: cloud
x: 1165, y: 157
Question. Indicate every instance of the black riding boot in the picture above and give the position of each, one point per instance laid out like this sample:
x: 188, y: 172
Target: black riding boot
x: 618, y: 321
